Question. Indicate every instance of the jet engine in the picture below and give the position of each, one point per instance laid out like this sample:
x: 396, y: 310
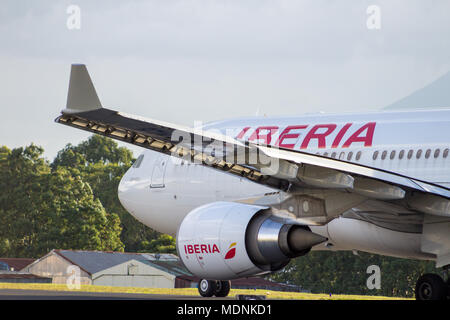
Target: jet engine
x: 227, y: 240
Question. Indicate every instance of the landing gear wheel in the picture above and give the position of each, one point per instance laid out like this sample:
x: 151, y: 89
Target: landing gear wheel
x: 222, y: 288
x: 431, y: 287
x: 207, y: 288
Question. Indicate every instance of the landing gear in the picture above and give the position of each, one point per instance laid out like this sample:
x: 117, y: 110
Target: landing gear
x: 223, y: 288
x: 431, y: 287
x: 209, y: 288
x: 206, y: 288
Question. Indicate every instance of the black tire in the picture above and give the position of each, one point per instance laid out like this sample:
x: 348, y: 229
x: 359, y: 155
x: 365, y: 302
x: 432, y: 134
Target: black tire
x: 431, y: 287
x: 207, y: 288
x: 222, y: 288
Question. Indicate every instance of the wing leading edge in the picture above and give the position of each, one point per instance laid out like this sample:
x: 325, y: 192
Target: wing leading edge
x: 283, y: 169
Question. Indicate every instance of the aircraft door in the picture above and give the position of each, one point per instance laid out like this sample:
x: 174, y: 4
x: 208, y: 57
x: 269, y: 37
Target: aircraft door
x: 159, y: 169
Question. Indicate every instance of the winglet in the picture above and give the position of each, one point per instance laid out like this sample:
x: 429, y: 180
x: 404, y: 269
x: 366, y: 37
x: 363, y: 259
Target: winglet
x: 82, y: 96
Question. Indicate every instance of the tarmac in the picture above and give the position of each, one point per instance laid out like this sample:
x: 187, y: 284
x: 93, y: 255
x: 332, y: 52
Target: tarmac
x: 18, y: 294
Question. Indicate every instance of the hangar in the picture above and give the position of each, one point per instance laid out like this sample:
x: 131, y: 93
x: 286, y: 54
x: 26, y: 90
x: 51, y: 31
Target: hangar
x: 110, y: 268
x: 149, y: 270
x: 10, y: 271
x: 14, y: 264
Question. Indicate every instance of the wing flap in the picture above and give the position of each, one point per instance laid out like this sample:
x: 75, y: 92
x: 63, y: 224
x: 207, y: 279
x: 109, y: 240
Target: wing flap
x: 283, y: 169
x: 309, y: 170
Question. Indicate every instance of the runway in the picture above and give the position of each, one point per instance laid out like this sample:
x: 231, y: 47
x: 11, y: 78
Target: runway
x: 17, y: 294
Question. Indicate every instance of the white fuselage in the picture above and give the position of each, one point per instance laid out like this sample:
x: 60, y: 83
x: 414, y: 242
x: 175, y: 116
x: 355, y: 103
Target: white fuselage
x: 160, y: 190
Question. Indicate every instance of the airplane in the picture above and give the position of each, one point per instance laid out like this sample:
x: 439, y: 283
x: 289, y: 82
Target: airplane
x: 245, y: 196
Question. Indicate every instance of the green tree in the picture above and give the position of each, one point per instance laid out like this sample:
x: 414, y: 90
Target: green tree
x: 96, y: 149
x: 343, y: 272
x: 42, y: 209
x: 20, y: 181
x: 74, y: 219
x: 101, y: 163
x: 163, y: 243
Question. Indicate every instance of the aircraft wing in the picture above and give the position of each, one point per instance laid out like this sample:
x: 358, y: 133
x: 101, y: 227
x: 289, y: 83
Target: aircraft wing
x: 333, y: 187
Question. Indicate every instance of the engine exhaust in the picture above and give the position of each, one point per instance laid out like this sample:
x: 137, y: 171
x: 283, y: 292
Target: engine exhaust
x: 271, y: 243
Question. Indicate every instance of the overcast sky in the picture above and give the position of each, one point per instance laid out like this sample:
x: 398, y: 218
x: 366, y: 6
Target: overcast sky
x: 183, y: 61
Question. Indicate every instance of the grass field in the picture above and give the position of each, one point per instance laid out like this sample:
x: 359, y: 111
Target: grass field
x: 192, y: 292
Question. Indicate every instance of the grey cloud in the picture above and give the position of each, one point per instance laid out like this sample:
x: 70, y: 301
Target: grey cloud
x: 189, y: 60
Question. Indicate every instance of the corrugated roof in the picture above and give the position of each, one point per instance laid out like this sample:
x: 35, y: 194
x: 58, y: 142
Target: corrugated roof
x: 96, y: 261
x: 19, y: 275
x: 17, y: 263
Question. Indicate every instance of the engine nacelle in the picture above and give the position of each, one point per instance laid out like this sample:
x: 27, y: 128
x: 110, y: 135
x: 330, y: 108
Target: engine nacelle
x: 227, y: 240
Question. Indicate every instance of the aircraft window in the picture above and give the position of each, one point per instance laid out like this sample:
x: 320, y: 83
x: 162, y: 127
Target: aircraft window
x: 383, y: 155
x: 410, y: 154
x: 349, y: 156
x: 342, y: 156
x: 333, y: 155
x: 138, y: 161
x: 375, y: 155
x: 325, y: 154
x: 427, y: 154
x: 419, y: 153
x: 436, y: 153
x: 358, y: 156
x: 445, y: 153
x: 392, y: 156
x: 401, y: 154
